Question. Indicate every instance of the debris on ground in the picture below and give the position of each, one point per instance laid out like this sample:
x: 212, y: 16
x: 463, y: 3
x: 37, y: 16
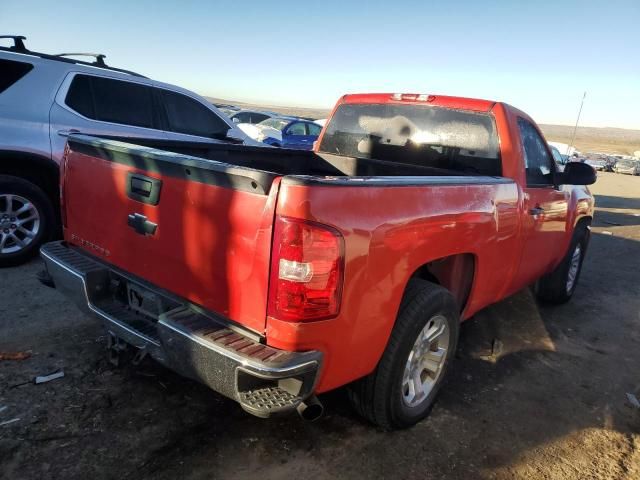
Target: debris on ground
x: 606, y: 232
x: 48, y: 378
x: 496, y: 350
x: 8, y: 422
x: 633, y: 400
x: 612, y: 223
x: 14, y: 355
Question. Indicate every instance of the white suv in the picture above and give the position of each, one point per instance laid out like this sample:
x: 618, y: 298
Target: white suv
x: 44, y: 98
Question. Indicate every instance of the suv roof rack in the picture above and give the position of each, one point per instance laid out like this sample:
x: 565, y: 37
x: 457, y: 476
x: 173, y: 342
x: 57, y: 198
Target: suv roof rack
x: 99, y: 57
x: 19, y: 47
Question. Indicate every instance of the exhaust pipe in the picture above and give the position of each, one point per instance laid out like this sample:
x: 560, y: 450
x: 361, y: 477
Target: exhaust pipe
x: 311, y: 409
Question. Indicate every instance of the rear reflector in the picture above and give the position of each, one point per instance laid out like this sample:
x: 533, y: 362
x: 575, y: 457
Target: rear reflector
x: 306, y: 271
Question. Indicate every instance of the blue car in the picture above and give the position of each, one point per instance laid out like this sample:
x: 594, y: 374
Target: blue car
x: 288, y: 132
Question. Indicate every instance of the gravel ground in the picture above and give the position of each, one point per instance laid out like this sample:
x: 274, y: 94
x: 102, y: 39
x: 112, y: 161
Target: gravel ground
x: 552, y: 404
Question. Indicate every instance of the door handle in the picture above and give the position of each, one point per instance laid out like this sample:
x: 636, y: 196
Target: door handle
x: 143, y: 189
x: 66, y: 133
x: 536, y: 211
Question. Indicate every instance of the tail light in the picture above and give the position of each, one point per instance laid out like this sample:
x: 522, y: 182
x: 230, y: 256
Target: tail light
x: 307, y: 268
x: 413, y: 97
x: 63, y: 178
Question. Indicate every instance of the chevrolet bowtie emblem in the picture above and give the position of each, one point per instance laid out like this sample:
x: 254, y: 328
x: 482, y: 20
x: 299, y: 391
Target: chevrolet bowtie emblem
x: 141, y: 225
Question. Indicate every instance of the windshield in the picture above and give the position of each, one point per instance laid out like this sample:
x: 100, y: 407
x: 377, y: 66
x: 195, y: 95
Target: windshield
x: 415, y: 134
x: 277, y: 123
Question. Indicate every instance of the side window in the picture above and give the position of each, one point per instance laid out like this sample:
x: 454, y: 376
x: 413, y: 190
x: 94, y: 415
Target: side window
x: 79, y: 96
x: 111, y: 100
x: 314, y: 129
x: 556, y: 155
x: 296, y: 129
x: 242, y: 117
x: 538, y: 162
x: 12, y: 71
x: 122, y: 102
x: 186, y: 115
x: 258, y: 117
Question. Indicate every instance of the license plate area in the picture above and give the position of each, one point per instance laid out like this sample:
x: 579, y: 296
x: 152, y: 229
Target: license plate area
x: 143, y: 300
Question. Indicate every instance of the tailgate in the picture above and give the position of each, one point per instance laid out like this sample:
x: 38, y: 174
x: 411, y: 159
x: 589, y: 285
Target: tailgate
x: 196, y: 228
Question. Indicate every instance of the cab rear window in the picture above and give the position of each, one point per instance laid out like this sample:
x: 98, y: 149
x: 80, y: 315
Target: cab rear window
x: 455, y: 140
x: 12, y: 71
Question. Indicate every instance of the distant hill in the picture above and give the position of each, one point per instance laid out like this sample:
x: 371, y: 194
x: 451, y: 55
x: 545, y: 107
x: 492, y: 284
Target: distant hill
x: 592, y: 139
x: 314, y: 113
x: 588, y: 139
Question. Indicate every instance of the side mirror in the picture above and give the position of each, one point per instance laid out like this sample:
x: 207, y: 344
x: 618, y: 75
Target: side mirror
x: 576, y: 173
x: 235, y: 120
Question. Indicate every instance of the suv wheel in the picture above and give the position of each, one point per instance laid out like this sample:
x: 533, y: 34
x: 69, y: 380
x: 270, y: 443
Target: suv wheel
x: 402, y: 389
x: 26, y: 220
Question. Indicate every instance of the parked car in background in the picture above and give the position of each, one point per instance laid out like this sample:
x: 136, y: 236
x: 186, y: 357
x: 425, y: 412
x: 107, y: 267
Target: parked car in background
x: 598, y: 164
x: 628, y: 167
x: 45, y: 97
x: 227, y: 109
x: 251, y: 116
x: 288, y: 132
x: 560, y: 159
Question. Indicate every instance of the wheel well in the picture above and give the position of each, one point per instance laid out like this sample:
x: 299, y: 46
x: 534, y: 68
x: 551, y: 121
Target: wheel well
x: 455, y: 273
x: 37, y: 169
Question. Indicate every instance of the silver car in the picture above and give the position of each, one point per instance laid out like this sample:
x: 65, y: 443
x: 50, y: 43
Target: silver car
x: 44, y: 98
x: 630, y: 167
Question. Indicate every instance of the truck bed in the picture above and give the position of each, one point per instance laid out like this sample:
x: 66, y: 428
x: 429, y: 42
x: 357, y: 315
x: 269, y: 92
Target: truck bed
x: 203, y: 227
x: 278, y: 161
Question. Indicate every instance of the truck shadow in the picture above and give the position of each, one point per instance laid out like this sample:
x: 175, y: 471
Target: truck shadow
x: 526, y: 376
x: 609, y: 201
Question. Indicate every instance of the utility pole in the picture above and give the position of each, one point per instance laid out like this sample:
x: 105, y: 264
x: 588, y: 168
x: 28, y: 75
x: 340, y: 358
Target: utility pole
x: 573, y: 137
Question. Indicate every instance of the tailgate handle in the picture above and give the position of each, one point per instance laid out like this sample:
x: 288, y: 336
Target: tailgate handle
x: 141, y: 225
x: 143, y: 189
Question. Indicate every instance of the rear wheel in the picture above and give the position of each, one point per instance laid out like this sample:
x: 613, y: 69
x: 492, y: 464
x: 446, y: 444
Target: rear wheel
x: 402, y: 389
x: 26, y: 220
x: 558, y: 286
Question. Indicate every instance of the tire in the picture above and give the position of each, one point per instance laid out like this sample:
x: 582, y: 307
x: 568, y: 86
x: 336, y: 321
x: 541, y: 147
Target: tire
x: 558, y: 286
x: 22, y: 232
x: 384, y: 396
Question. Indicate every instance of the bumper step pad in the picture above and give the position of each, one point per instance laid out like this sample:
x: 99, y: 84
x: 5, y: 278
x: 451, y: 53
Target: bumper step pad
x: 269, y: 398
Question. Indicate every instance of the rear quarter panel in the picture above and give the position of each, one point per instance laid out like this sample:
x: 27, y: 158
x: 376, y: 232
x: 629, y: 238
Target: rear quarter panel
x: 389, y: 233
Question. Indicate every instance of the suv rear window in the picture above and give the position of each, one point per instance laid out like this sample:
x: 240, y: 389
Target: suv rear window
x: 112, y: 100
x: 12, y: 71
x: 455, y: 140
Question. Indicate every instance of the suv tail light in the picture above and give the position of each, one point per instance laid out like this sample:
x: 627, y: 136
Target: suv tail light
x: 307, y: 267
x: 63, y: 182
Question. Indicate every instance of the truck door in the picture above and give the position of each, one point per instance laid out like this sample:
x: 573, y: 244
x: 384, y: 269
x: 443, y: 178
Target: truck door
x: 102, y: 106
x: 545, y: 206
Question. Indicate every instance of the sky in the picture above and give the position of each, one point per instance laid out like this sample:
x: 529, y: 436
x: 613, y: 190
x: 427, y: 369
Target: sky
x: 539, y: 56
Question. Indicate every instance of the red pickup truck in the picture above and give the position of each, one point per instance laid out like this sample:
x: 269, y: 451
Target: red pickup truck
x: 273, y: 275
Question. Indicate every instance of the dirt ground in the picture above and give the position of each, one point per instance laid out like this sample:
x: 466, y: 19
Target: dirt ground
x: 552, y: 404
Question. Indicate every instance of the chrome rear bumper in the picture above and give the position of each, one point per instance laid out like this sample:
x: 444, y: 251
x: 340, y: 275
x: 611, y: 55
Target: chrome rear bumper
x: 264, y: 380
